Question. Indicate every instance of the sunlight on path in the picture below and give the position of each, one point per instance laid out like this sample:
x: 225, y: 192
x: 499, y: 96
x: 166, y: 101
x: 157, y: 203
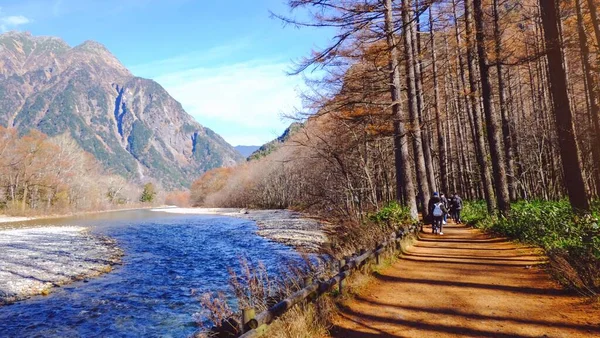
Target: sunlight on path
x: 466, y: 284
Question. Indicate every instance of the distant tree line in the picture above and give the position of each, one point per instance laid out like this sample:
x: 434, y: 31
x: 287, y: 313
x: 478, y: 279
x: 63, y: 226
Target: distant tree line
x: 496, y: 100
x: 49, y: 175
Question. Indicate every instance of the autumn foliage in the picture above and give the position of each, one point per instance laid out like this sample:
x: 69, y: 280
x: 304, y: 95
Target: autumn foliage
x: 476, y: 112
x: 53, y: 175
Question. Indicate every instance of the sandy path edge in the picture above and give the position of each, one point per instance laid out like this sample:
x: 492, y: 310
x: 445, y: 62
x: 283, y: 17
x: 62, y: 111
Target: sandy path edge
x: 465, y: 283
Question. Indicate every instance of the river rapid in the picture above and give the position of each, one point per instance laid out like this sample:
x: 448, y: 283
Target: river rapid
x: 169, y: 260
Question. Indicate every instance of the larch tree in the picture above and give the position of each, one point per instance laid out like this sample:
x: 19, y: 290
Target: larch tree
x: 569, y: 150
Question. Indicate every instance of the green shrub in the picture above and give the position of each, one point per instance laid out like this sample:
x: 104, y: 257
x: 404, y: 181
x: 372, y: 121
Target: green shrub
x: 474, y: 212
x: 571, y: 241
x: 148, y: 193
x: 390, y: 215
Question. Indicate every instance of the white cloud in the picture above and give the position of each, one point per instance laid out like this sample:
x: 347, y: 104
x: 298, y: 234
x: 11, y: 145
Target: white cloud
x: 243, y: 102
x: 11, y: 21
x: 190, y: 60
x: 14, y: 20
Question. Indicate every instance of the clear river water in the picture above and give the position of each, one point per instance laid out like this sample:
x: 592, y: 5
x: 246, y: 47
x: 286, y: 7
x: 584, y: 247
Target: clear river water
x: 169, y: 261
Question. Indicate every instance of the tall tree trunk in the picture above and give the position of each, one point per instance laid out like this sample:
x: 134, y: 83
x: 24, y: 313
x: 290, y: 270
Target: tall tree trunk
x: 463, y: 102
x: 24, y: 201
x: 492, y: 127
x: 404, y: 180
x: 413, y: 108
x: 511, y: 145
x: 591, y: 93
x: 476, y: 107
x: 416, y: 38
x: 508, y: 155
x: 595, y: 23
x: 563, y: 116
x: 436, y: 106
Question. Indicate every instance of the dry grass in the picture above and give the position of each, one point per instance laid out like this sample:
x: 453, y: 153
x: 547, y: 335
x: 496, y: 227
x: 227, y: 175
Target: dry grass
x: 255, y: 289
x: 315, y: 319
x: 577, y: 272
x: 305, y: 321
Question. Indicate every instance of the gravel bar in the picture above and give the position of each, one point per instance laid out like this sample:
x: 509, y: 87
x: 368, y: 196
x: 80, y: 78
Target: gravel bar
x: 35, y: 260
x: 283, y: 226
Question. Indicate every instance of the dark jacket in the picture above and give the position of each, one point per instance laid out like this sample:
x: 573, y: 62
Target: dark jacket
x: 431, y: 205
x: 445, y: 201
x: 456, y: 203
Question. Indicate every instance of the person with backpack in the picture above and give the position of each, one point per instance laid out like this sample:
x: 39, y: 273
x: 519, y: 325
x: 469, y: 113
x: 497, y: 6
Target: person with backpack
x: 437, y: 210
x: 456, y: 206
x: 446, y: 205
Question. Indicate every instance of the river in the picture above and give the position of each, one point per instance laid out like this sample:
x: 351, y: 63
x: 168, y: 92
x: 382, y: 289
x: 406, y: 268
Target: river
x: 169, y: 260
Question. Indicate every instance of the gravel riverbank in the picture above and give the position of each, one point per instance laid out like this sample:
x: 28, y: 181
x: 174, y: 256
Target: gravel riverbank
x: 283, y: 226
x: 36, y: 259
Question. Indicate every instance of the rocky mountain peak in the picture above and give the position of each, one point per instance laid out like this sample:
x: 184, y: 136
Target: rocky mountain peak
x: 130, y: 124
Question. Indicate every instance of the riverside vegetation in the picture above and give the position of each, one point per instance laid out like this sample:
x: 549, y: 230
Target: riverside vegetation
x: 254, y: 288
x: 42, y: 175
x: 497, y: 101
x: 494, y: 100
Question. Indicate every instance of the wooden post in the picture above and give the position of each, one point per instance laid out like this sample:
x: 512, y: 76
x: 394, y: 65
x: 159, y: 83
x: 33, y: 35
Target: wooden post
x: 341, y: 283
x: 364, y: 263
x: 308, y: 280
x: 377, y: 247
x: 248, y: 319
x: 399, y: 235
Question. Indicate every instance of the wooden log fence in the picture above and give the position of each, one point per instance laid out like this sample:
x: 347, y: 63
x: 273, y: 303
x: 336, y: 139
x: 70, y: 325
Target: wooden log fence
x: 256, y: 326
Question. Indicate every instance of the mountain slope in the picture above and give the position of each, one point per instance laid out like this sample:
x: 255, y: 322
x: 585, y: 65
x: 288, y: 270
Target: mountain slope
x: 130, y: 124
x: 273, y: 145
x: 246, y: 150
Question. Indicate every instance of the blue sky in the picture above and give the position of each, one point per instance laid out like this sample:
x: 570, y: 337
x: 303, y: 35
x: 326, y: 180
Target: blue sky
x: 225, y: 61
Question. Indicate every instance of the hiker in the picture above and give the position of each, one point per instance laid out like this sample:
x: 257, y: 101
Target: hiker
x: 446, y: 205
x: 451, y: 208
x: 437, y: 210
x: 456, y: 205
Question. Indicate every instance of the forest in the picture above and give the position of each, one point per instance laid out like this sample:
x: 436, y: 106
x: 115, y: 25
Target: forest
x: 42, y: 175
x: 496, y: 100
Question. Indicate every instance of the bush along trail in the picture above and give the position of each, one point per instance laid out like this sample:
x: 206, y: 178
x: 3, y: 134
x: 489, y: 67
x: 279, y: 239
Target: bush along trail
x: 466, y: 283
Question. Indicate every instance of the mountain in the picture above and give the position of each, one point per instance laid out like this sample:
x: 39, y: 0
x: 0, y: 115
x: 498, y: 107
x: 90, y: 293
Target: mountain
x: 130, y: 124
x: 246, y: 150
x: 273, y: 145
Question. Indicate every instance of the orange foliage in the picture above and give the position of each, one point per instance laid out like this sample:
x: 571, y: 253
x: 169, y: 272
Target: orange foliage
x: 180, y: 198
x: 211, y: 182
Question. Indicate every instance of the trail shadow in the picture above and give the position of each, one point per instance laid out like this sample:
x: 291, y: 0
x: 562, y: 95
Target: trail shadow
x: 454, y: 255
x: 520, y: 261
x: 337, y: 331
x: 464, y: 241
x: 507, y: 288
x: 466, y: 248
x: 349, y: 333
x: 421, y: 259
x: 439, y: 328
x: 452, y: 312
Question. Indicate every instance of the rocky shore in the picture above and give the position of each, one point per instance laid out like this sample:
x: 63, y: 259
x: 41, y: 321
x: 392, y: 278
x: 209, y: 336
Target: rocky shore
x: 283, y: 226
x: 34, y: 260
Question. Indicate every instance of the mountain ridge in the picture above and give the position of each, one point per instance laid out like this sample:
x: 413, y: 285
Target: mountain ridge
x: 130, y: 124
x: 275, y: 144
x: 246, y: 150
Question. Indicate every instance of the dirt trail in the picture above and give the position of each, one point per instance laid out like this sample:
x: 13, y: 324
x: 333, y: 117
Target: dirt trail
x: 465, y: 284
